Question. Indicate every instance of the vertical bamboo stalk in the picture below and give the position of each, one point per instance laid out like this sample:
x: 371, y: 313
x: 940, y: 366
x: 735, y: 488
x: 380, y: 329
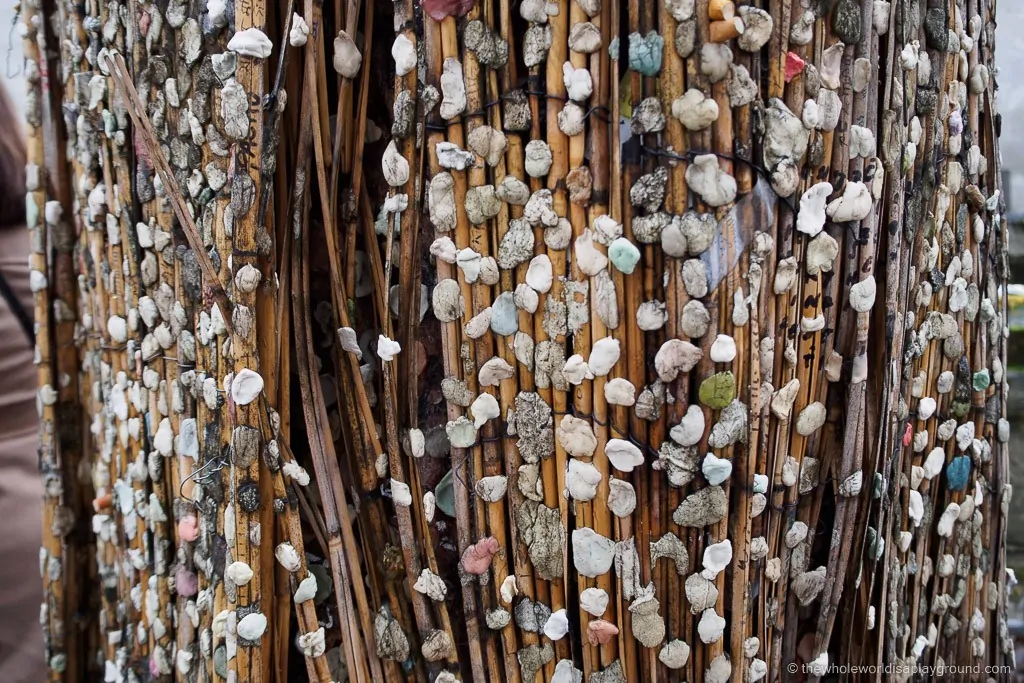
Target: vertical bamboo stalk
x: 54, y: 614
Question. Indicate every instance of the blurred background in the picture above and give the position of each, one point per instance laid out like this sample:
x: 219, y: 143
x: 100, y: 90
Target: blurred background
x: 1010, y: 58
x: 10, y: 52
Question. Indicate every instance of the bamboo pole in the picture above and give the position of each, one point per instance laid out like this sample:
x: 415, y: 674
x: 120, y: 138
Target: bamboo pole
x: 54, y: 613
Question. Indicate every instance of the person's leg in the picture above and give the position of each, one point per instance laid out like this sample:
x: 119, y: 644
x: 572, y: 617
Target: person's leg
x: 21, y: 639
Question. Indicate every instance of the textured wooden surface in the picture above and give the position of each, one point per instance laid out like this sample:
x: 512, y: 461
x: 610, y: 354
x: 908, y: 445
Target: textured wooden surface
x: 439, y: 424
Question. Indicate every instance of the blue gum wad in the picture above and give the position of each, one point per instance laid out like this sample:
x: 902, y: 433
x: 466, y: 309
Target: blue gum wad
x: 624, y: 255
x: 444, y: 495
x: 31, y: 211
x: 645, y: 53
x: 504, y: 315
x: 957, y: 472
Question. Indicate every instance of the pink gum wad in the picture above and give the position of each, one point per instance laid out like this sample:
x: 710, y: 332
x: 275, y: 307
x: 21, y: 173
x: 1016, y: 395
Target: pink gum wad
x: 477, y: 559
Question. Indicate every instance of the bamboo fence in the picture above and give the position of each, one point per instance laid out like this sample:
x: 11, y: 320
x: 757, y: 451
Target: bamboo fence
x: 519, y: 340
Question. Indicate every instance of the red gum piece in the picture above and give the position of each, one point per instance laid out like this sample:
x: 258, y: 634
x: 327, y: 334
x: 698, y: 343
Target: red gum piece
x: 794, y: 65
x: 600, y: 631
x: 188, y: 528
x: 439, y: 9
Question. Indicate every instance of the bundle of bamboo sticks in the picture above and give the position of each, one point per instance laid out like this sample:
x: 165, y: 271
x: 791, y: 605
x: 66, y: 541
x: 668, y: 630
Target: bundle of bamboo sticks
x: 519, y: 339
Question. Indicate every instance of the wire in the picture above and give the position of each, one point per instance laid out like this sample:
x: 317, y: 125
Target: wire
x: 202, y: 476
x: 10, y: 45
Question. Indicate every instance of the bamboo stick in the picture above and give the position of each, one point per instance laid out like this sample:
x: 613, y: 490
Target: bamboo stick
x: 54, y: 611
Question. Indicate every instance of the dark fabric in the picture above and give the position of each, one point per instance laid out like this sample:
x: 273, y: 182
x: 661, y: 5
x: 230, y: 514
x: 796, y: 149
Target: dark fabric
x: 16, y: 307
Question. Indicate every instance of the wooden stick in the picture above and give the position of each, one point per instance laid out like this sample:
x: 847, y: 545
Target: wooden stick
x: 52, y: 554
x: 119, y: 72
x: 437, y: 48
